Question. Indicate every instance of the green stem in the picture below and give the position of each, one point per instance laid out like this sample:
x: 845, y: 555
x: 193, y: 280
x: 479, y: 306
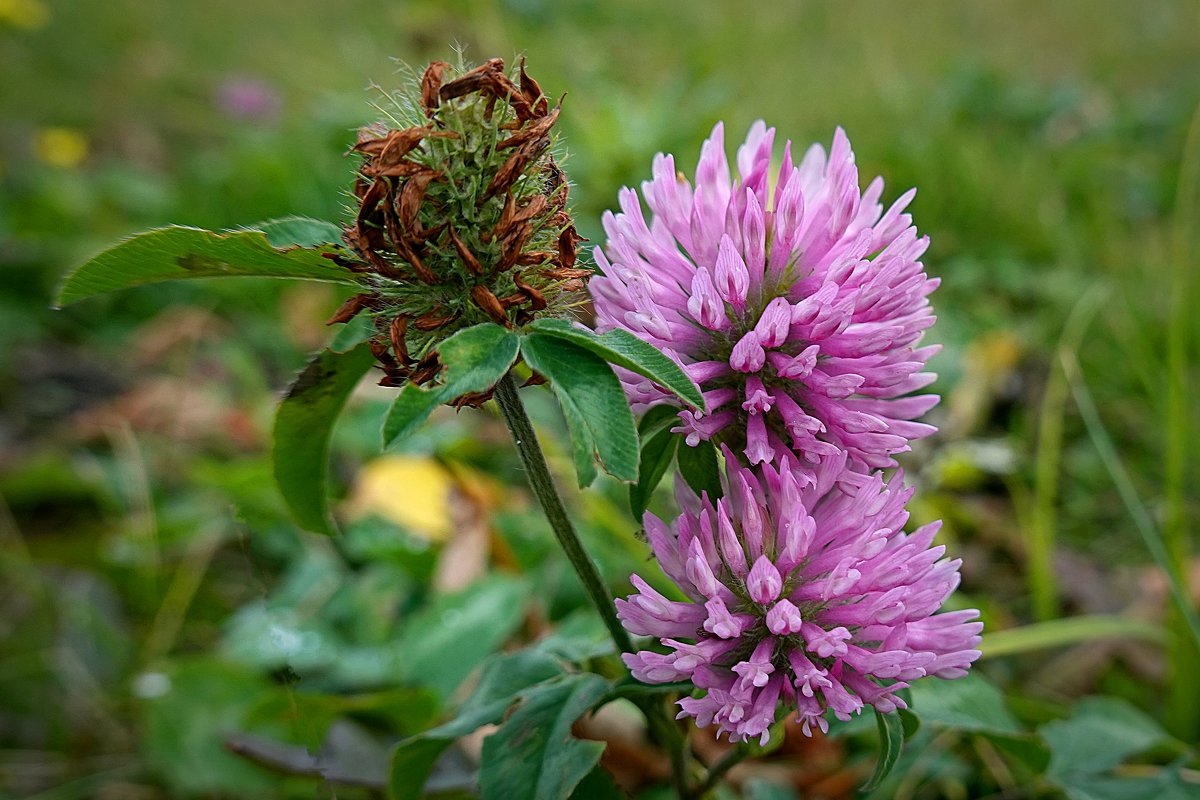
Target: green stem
x: 542, y: 484
x: 667, y: 733
x: 537, y: 472
x: 717, y: 771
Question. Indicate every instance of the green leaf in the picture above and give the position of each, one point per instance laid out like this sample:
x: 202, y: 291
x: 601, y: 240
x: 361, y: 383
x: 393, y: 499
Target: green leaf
x: 777, y: 733
x: 969, y: 704
x: 443, y: 643
x: 177, y: 253
x: 657, y: 418
x: 910, y: 721
x: 473, y: 360
x: 698, y: 466
x: 503, y: 679
x: 583, y: 445
x: 476, y: 357
x: 303, y: 424
x: 1027, y: 749
x: 579, y: 636
x: 299, y: 232
x: 891, y: 742
x: 214, y: 697
x: 1167, y: 784
x: 1102, y: 733
x: 533, y: 754
x: 657, y: 454
x: 623, y: 349
x: 358, y: 330
x: 765, y: 789
x: 975, y: 705
x: 598, y: 785
x: 598, y: 416
x: 658, y: 450
x: 412, y: 764
x: 409, y: 411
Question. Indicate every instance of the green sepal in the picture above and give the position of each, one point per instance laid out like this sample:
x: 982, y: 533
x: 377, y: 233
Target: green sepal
x: 657, y: 418
x: 700, y: 468
x: 657, y: 454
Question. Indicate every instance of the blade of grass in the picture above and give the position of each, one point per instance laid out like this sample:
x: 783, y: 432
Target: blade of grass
x: 19, y: 573
x: 86, y: 786
x: 1150, y: 534
x: 1183, y: 701
x: 142, y: 519
x: 1043, y: 585
x: 181, y: 591
x: 1062, y: 632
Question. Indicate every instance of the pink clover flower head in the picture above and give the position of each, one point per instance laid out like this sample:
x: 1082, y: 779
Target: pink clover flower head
x: 797, y: 308
x: 808, y: 594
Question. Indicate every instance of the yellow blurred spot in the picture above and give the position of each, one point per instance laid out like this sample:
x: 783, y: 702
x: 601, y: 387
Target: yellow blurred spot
x: 988, y: 364
x: 60, y: 147
x: 411, y: 491
x: 956, y: 471
x: 27, y: 15
x: 999, y: 352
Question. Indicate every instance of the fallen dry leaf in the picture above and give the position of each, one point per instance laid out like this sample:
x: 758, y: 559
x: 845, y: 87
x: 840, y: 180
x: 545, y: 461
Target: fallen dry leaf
x: 413, y: 492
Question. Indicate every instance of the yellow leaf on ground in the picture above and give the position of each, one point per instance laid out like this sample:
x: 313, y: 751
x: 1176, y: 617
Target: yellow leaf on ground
x: 411, y: 491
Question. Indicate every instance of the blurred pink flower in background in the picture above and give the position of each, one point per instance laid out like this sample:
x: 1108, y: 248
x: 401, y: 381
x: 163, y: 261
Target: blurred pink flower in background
x: 248, y: 98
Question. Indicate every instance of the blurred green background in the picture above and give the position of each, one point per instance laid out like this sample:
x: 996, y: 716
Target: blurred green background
x: 155, y: 601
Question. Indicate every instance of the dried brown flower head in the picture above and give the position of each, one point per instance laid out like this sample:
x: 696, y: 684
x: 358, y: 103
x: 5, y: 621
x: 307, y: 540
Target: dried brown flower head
x: 462, y: 217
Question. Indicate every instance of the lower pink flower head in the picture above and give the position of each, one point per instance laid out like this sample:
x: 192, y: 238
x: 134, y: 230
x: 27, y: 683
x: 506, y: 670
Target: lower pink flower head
x: 803, y: 594
x: 797, y: 309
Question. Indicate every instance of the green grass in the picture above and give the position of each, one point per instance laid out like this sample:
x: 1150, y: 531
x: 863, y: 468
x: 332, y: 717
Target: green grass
x: 1178, y: 432
x: 1055, y: 150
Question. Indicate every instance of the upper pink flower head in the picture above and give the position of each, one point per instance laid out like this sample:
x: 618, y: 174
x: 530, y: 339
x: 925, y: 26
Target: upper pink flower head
x: 797, y: 309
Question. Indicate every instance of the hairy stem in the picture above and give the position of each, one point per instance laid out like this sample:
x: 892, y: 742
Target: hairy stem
x: 542, y: 484
x: 513, y: 410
